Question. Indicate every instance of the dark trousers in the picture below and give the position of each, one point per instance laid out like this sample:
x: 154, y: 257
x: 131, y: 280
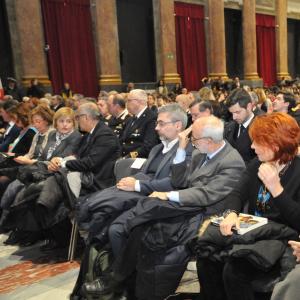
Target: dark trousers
x: 230, y: 281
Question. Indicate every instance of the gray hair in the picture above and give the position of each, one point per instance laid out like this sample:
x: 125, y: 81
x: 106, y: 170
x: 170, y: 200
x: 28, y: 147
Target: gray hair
x: 140, y: 95
x: 91, y: 109
x: 176, y: 112
x: 213, y: 128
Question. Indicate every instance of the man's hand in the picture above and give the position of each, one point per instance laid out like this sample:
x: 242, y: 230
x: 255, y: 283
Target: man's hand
x: 23, y: 160
x: 160, y: 195
x: 127, y: 184
x: 183, y: 138
x: 227, y: 224
x: 296, y: 247
x: 54, y: 164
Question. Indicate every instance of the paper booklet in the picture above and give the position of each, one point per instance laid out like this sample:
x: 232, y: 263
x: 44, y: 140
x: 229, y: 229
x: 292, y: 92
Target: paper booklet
x: 247, y: 223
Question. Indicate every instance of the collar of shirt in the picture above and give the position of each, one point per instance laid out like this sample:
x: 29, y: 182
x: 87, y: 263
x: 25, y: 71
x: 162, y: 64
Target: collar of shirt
x: 168, y: 145
x: 123, y: 114
x: 10, y: 126
x: 91, y: 132
x: 141, y: 112
x: 211, y: 155
x: 246, y: 124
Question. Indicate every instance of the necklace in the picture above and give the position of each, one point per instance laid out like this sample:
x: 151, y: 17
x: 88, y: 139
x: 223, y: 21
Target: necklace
x: 264, y: 195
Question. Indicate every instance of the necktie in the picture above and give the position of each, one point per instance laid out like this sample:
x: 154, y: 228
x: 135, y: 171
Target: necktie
x: 133, y: 120
x: 241, y: 130
x: 206, y: 160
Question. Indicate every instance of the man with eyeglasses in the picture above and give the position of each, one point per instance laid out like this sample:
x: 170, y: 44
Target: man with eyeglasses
x: 139, y: 135
x: 145, y: 234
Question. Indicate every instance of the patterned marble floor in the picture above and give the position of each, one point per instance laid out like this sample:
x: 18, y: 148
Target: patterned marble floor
x: 27, y: 273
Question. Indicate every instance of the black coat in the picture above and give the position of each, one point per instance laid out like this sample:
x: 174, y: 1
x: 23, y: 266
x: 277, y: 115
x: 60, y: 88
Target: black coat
x: 241, y: 144
x: 9, y: 138
x: 139, y: 135
x: 97, y: 154
x: 284, y: 209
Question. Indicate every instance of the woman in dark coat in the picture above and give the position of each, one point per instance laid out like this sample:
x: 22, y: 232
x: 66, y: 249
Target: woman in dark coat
x: 271, y: 188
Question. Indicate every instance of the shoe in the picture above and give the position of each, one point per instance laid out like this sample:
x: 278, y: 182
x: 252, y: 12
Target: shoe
x: 14, y: 238
x: 96, y: 287
x: 30, y: 239
x: 50, y: 245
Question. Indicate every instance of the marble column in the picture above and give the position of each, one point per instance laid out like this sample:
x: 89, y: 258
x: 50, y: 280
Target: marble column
x: 249, y: 40
x: 216, y: 29
x: 29, y: 24
x: 281, y: 39
x: 107, y: 43
x: 168, y: 42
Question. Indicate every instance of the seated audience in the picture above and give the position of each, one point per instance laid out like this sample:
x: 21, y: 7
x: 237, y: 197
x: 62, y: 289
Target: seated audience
x: 11, y: 132
x: 172, y: 217
x: 117, y: 108
x: 236, y: 132
x: 152, y: 103
x: 63, y: 141
x: 102, y: 103
x: 57, y: 102
x: 285, y: 102
x: 162, y: 88
x: 35, y: 89
x: 271, y: 188
x: 139, y: 135
x: 66, y: 91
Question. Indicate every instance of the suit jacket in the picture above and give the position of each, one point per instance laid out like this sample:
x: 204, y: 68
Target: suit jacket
x: 139, y: 135
x: 9, y: 138
x: 24, y: 143
x: 118, y: 124
x: 207, y: 185
x: 242, y: 144
x: 161, y: 180
x: 97, y: 153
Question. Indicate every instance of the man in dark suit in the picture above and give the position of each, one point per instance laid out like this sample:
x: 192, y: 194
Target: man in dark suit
x: 198, y: 187
x: 12, y: 131
x: 117, y: 108
x: 139, y: 135
x: 103, y: 207
x: 285, y: 103
x: 236, y: 132
x: 98, y: 151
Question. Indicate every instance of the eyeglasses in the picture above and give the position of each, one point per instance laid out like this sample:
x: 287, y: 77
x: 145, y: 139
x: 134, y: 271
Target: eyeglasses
x: 162, y: 123
x: 193, y: 139
x: 132, y: 99
x: 78, y: 116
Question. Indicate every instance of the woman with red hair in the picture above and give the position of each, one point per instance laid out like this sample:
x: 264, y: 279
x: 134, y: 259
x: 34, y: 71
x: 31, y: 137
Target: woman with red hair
x: 270, y: 187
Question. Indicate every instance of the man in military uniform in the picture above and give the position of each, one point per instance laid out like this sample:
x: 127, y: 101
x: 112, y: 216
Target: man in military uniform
x: 117, y: 108
x: 139, y: 135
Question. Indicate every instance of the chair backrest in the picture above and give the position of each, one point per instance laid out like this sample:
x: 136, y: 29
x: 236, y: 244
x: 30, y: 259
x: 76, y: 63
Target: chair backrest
x: 123, y: 168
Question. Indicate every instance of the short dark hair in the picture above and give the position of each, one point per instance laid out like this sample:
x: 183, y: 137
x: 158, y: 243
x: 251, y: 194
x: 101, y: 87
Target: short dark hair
x: 239, y: 96
x: 7, y: 105
x: 290, y: 98
x: 119, y: 99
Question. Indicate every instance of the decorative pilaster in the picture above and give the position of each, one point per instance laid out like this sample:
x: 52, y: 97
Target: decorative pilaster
x: 107, y: 48
x: 216, y: 29
x: 249, y: 40
x: 281, y: 39
x: 168, y: 42
x: 30, y: 29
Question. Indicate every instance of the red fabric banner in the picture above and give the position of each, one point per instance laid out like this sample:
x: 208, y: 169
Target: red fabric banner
x: 190, y: 44
x: 71, y: 54
x: 266, y: 48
